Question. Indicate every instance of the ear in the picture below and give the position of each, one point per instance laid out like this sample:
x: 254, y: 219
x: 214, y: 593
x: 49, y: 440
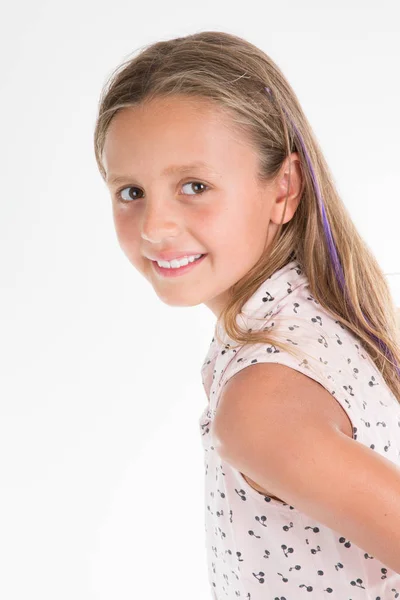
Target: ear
x: 296, y: 187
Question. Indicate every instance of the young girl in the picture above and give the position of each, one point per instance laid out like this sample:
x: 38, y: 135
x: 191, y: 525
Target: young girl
x: 208, y: 156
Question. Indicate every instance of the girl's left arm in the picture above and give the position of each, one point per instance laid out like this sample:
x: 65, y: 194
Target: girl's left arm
x: 267, y: 427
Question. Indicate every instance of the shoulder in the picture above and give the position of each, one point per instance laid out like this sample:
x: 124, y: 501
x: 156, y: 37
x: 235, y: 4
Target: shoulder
x: 272, y: 407
x: 270, y: 422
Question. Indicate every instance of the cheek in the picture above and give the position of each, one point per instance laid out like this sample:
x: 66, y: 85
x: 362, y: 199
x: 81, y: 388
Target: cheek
x: 122, y: 229
x: 241, y: 226
x: 242, y: 235
x: 128, y: 237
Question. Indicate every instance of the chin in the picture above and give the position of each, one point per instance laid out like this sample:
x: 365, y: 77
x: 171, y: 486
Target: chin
x: 179, y: 301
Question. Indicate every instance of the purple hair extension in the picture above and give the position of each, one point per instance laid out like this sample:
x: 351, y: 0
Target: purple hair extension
x: 328, y: 233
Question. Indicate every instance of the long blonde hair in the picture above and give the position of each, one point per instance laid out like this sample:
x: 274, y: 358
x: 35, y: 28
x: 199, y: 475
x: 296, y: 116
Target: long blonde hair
x: 234, y: 74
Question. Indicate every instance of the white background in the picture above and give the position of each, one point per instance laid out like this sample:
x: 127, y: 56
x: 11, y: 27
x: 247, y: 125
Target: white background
x: 101, y: 464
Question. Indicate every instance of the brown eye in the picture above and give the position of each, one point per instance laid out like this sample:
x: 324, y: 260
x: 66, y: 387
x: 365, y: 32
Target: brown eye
x: 129, y: 196
x: 197, y: 183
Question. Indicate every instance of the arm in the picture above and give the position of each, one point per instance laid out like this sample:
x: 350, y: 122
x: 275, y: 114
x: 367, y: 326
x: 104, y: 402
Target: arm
x: 267, y: 427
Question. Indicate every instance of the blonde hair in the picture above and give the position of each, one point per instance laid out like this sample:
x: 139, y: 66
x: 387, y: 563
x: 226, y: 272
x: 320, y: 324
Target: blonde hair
x: 233, y: 73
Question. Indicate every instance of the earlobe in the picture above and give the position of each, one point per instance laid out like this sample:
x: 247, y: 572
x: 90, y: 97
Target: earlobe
x: 279, y: 207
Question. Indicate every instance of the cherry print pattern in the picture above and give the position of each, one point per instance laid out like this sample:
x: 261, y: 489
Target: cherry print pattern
x: 257, y: 547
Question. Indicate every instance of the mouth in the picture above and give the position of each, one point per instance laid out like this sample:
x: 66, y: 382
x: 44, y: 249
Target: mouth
x: 179, y: 271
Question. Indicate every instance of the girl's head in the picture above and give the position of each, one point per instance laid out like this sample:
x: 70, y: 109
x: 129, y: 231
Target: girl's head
x: 255, y: 207
x: 225, y: 209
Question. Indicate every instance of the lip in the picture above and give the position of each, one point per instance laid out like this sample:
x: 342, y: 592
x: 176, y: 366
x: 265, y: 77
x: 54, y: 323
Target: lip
x: 171, y: 254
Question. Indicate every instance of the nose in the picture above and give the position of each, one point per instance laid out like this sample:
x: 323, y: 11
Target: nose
x: 159, y: 223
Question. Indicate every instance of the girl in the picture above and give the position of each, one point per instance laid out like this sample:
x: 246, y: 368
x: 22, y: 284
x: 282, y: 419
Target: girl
x: 302, y: 451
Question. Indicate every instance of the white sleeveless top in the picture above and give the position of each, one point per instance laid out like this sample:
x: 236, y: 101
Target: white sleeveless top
x: 257, y: 547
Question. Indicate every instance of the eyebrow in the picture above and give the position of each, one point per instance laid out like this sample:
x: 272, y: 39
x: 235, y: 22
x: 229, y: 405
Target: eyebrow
x: 114, y: 178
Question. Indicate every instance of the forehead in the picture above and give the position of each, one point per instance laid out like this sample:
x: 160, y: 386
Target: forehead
x: 169, y: 110
x: 177, y: 130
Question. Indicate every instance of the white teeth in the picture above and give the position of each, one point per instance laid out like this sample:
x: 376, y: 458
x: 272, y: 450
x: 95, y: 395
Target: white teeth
x: 175, y: 264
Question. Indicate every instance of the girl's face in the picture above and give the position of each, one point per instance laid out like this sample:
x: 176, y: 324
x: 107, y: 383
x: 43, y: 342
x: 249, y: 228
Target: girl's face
x: 219, y: 209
